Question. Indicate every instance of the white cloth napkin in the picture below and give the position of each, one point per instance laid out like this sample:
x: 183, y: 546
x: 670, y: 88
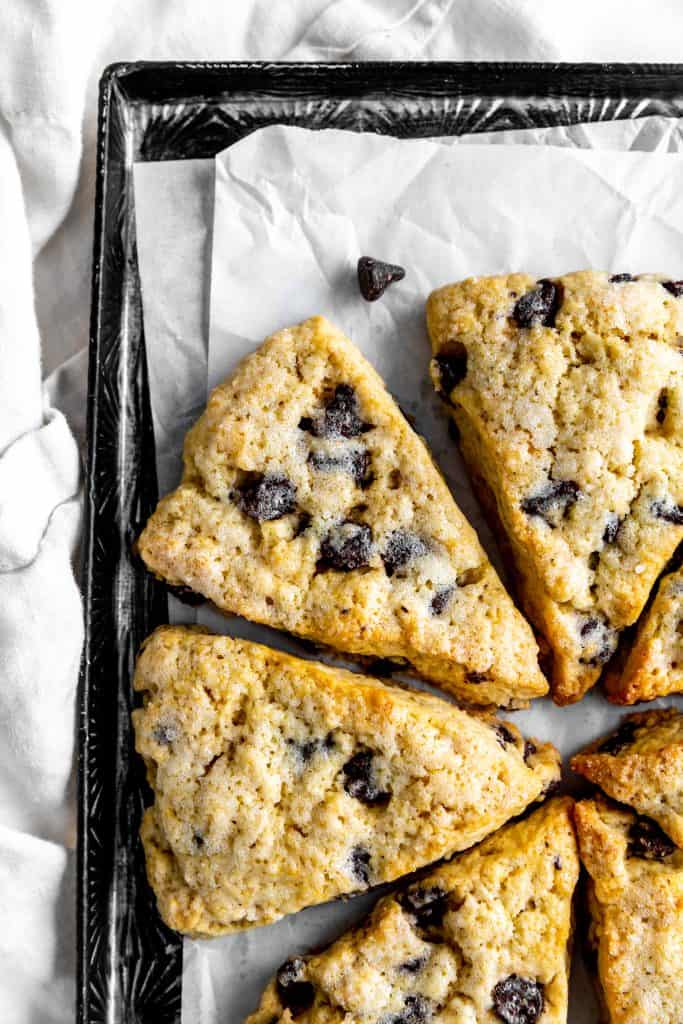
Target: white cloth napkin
x: 53, y: 54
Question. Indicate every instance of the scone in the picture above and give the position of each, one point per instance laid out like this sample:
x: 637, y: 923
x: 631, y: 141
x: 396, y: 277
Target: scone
x: 483, y: 939
x: 636, y: 908
x: 641, y: 764
x: 309, y: 504
x: 654, y: 666
x: 280, y: 783
x: 568, y: 395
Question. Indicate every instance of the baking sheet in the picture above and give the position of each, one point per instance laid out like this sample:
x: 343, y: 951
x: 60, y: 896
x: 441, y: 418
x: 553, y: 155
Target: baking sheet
x: 292, y: 213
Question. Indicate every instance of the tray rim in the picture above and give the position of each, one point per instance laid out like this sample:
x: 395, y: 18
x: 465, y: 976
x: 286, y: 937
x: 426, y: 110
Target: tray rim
x: 524, y: 79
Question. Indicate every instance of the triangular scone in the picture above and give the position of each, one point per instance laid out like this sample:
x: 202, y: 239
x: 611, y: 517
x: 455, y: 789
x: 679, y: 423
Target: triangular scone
x: 280, y: 783
x: 568, y: 396
x: 641, y: 764
x: 309, y: 504
x: 483, y: 939
x: 635, y: 897
x: 654, y: 666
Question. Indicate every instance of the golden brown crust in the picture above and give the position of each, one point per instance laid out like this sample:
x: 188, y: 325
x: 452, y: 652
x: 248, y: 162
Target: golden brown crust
x: 507, y: 911
x: 280, y: 783
x: 475, y: 645
x: 577, y: 429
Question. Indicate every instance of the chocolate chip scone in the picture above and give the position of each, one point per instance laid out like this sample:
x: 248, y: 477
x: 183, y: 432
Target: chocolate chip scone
x: 568, y: 396
x: 308, y: 503
x: 635, y: 897
x: 654, y: 666
x: 641, y: 764
x: 483, y: 939
x: 279, y: 783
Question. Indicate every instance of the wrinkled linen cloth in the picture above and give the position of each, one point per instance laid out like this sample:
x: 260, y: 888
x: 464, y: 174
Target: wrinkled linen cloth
x: 53, y: 53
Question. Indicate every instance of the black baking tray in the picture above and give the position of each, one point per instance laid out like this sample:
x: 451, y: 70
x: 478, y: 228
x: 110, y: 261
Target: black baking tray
x: 129, y: 963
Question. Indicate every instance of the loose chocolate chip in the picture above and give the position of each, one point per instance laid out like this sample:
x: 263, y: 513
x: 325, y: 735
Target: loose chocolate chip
x: 675, y: 287
x: 593, y: 560
x: 266, y: 497
x: 441, y: 600
x: 360, y: 781
x: 553, y: 502
x: 557, y: 862
x: 518, y: 1000
x: 667, y: 510
x: 538, y: 306
x: 612, y: 527
x: 375, y: 276
x: 401, y: 548
x: 360, y: 864
x: 413, y: 966
x: 416, y: 1010
x: 646, y: 840
x: 186, y: 594
x: 598, y: 640
x: 164, y: 733
x: 662, y: 405
x: 623, y: 737
x: 295, y: 995
x: 428, y: 906
x: 355, y: 463
x: 530, y: 749
x: 346, y: 547
x: 503, y: 735
x: 452, y: 365
x: 620, y: 278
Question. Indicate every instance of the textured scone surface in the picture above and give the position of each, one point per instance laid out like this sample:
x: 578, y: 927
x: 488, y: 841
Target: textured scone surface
x: 641, y: 764
x: 308, y: 503
x: 483, y: 939
x: 569, y: 400
x: 654, y: 666
x: 280, y: 783
x: 636, y: 904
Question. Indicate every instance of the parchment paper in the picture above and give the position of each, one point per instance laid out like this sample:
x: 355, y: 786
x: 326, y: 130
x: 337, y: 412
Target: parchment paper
x: 293, y: 210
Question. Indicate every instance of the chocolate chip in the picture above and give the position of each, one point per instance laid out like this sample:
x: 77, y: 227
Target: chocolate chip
x: 476, y: 678
x: 360, y: 781
x: 164, y: 733
x: 623, y: 737
x: 530, y: 749
x: 646, y: 840
x: 593, y: 560
x: 620, y: 278
x: 598, y: 640
x: 339, y: 418
x: 346, y: 547
x: 553, y: 502
x: 538, y: 306
x: 295, y: 995
x: 612, y: 527
x: 304, y: 520
x: 401, y: 548
x: 375, y: 276
x: 416, y: 1010
x: 518, y: 1000
x: 503, y: 735
x: 186, y: 594
x: 359, y: 861
x: 355, y: 463
x: 452, y: 366
x: 198, y: 840
x: 557, y: 862
x: 267, y: 496
x: 413, y: 966
x: 667, y: 510
x: 441, y: 600
x: 307, y: 750
x: 428, y: 906
x: 675, y: 287
x: 662, y: 405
